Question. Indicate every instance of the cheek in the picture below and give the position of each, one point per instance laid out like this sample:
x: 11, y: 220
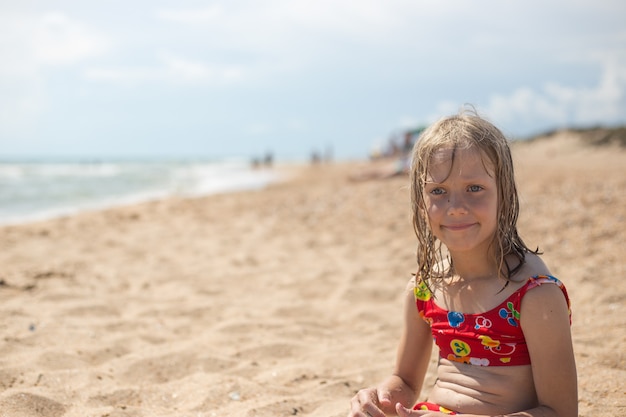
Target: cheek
x: 489, y: 210
x: 429, y: 212
x: 486, y: 203
x: 430, y: 207
x: 435, y: 213
x: 493, y: 206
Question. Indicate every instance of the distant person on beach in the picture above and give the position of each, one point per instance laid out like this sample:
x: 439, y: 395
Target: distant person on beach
x: 501, y: 321
x: 399, y: 165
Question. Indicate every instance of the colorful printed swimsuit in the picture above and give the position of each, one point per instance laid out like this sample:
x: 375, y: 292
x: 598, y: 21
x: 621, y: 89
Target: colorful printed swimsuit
x: 493, y: 338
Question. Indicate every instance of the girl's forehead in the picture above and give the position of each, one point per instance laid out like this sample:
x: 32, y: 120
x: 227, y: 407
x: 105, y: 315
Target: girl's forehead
x: 461, y: 161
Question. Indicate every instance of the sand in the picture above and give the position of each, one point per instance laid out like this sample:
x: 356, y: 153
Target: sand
x: 283, y: 301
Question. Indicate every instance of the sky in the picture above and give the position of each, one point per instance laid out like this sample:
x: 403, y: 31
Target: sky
x: 213, y: 79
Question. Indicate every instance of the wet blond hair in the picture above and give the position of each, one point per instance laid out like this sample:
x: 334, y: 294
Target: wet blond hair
x: 462, y: 131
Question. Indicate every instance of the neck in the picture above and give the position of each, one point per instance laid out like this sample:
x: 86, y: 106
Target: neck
x: 470, y: 267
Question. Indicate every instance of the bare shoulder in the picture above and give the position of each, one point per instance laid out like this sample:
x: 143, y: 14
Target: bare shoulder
x: 545, y: 297
x: 410, y: 285
x: 533, y: 266
x: 542, y: 299
x: 547, y: 302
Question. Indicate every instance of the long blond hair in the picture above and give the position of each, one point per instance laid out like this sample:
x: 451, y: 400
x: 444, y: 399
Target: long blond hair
x: 466, y: 130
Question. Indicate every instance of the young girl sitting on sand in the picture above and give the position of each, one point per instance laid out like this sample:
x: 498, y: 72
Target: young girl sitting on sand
x: 500, y: 320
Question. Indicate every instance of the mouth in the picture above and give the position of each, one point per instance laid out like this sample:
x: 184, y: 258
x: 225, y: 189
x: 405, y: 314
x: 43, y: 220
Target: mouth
x: 458, y: 227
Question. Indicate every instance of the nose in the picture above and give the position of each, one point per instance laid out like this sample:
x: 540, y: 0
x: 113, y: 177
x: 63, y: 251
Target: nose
x: 456, y: 204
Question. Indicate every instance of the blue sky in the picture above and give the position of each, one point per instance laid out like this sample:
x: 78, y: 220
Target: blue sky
x: 244, y: 77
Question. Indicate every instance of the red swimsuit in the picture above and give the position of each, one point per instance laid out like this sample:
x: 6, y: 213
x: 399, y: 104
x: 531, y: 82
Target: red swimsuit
x: 492, y: 338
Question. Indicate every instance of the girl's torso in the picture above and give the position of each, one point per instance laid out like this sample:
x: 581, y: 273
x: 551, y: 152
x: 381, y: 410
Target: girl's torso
x: 486, y: 390
x: 482, y: 390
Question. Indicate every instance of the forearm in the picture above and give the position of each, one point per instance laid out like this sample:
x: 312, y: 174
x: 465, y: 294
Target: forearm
x: 399, y: 391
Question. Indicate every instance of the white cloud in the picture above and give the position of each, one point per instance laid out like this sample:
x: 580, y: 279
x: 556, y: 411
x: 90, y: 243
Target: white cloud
x: 184, y: 70
x: 123, y: 75
x: 276, y: 27
x: 201, y: 15
x: 171, y: 69
x: 556, y: 105
x: 29, y: 47
x: 28, y: 44
x: 59, y: 40
x: 281, y: 14
x: 17, y: 108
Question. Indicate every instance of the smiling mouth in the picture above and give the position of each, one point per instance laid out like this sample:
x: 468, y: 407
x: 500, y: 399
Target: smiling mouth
x: 458, y: 227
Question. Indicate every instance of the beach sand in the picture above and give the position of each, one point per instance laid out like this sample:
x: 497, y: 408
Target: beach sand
x: 283, y: 301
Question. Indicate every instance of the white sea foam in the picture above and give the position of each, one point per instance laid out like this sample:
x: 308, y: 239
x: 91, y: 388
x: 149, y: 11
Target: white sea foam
x: 39, y: 190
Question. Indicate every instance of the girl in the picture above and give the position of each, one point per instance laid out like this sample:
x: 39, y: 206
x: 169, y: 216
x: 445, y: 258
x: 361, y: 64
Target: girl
x: 500, y: 320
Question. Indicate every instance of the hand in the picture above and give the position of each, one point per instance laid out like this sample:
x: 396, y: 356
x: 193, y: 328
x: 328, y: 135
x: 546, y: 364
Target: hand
x: 370, y: 402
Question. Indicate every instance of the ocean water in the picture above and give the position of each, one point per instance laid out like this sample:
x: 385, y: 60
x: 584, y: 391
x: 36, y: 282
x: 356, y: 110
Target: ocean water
x: 35, y: 190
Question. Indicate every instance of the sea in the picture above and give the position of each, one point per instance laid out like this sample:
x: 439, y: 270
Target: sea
x: 38, y: 189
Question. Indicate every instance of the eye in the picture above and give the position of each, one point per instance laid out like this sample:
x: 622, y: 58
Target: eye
x: 474, y: 188
x: 437, y: 191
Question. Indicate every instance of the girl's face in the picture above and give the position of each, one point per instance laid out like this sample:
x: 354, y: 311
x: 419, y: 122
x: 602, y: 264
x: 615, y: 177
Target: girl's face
x: 461, y: 199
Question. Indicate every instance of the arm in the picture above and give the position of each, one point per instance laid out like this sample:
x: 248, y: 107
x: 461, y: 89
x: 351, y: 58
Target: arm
x: 404, y: 385
x: 546, y: 325
x: 414, y: 350
x: 545, y: 322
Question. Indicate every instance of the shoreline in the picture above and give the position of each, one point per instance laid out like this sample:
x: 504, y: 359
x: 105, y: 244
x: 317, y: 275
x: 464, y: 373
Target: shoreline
x: 263, y: 176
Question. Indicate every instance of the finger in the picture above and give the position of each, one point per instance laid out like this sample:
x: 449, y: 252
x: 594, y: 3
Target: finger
x: 354, y: 403
x: 403, y: 411
x: 384, y: 398
x: 356, y: 406
x: 371, y: 406
x: 365, y: 404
